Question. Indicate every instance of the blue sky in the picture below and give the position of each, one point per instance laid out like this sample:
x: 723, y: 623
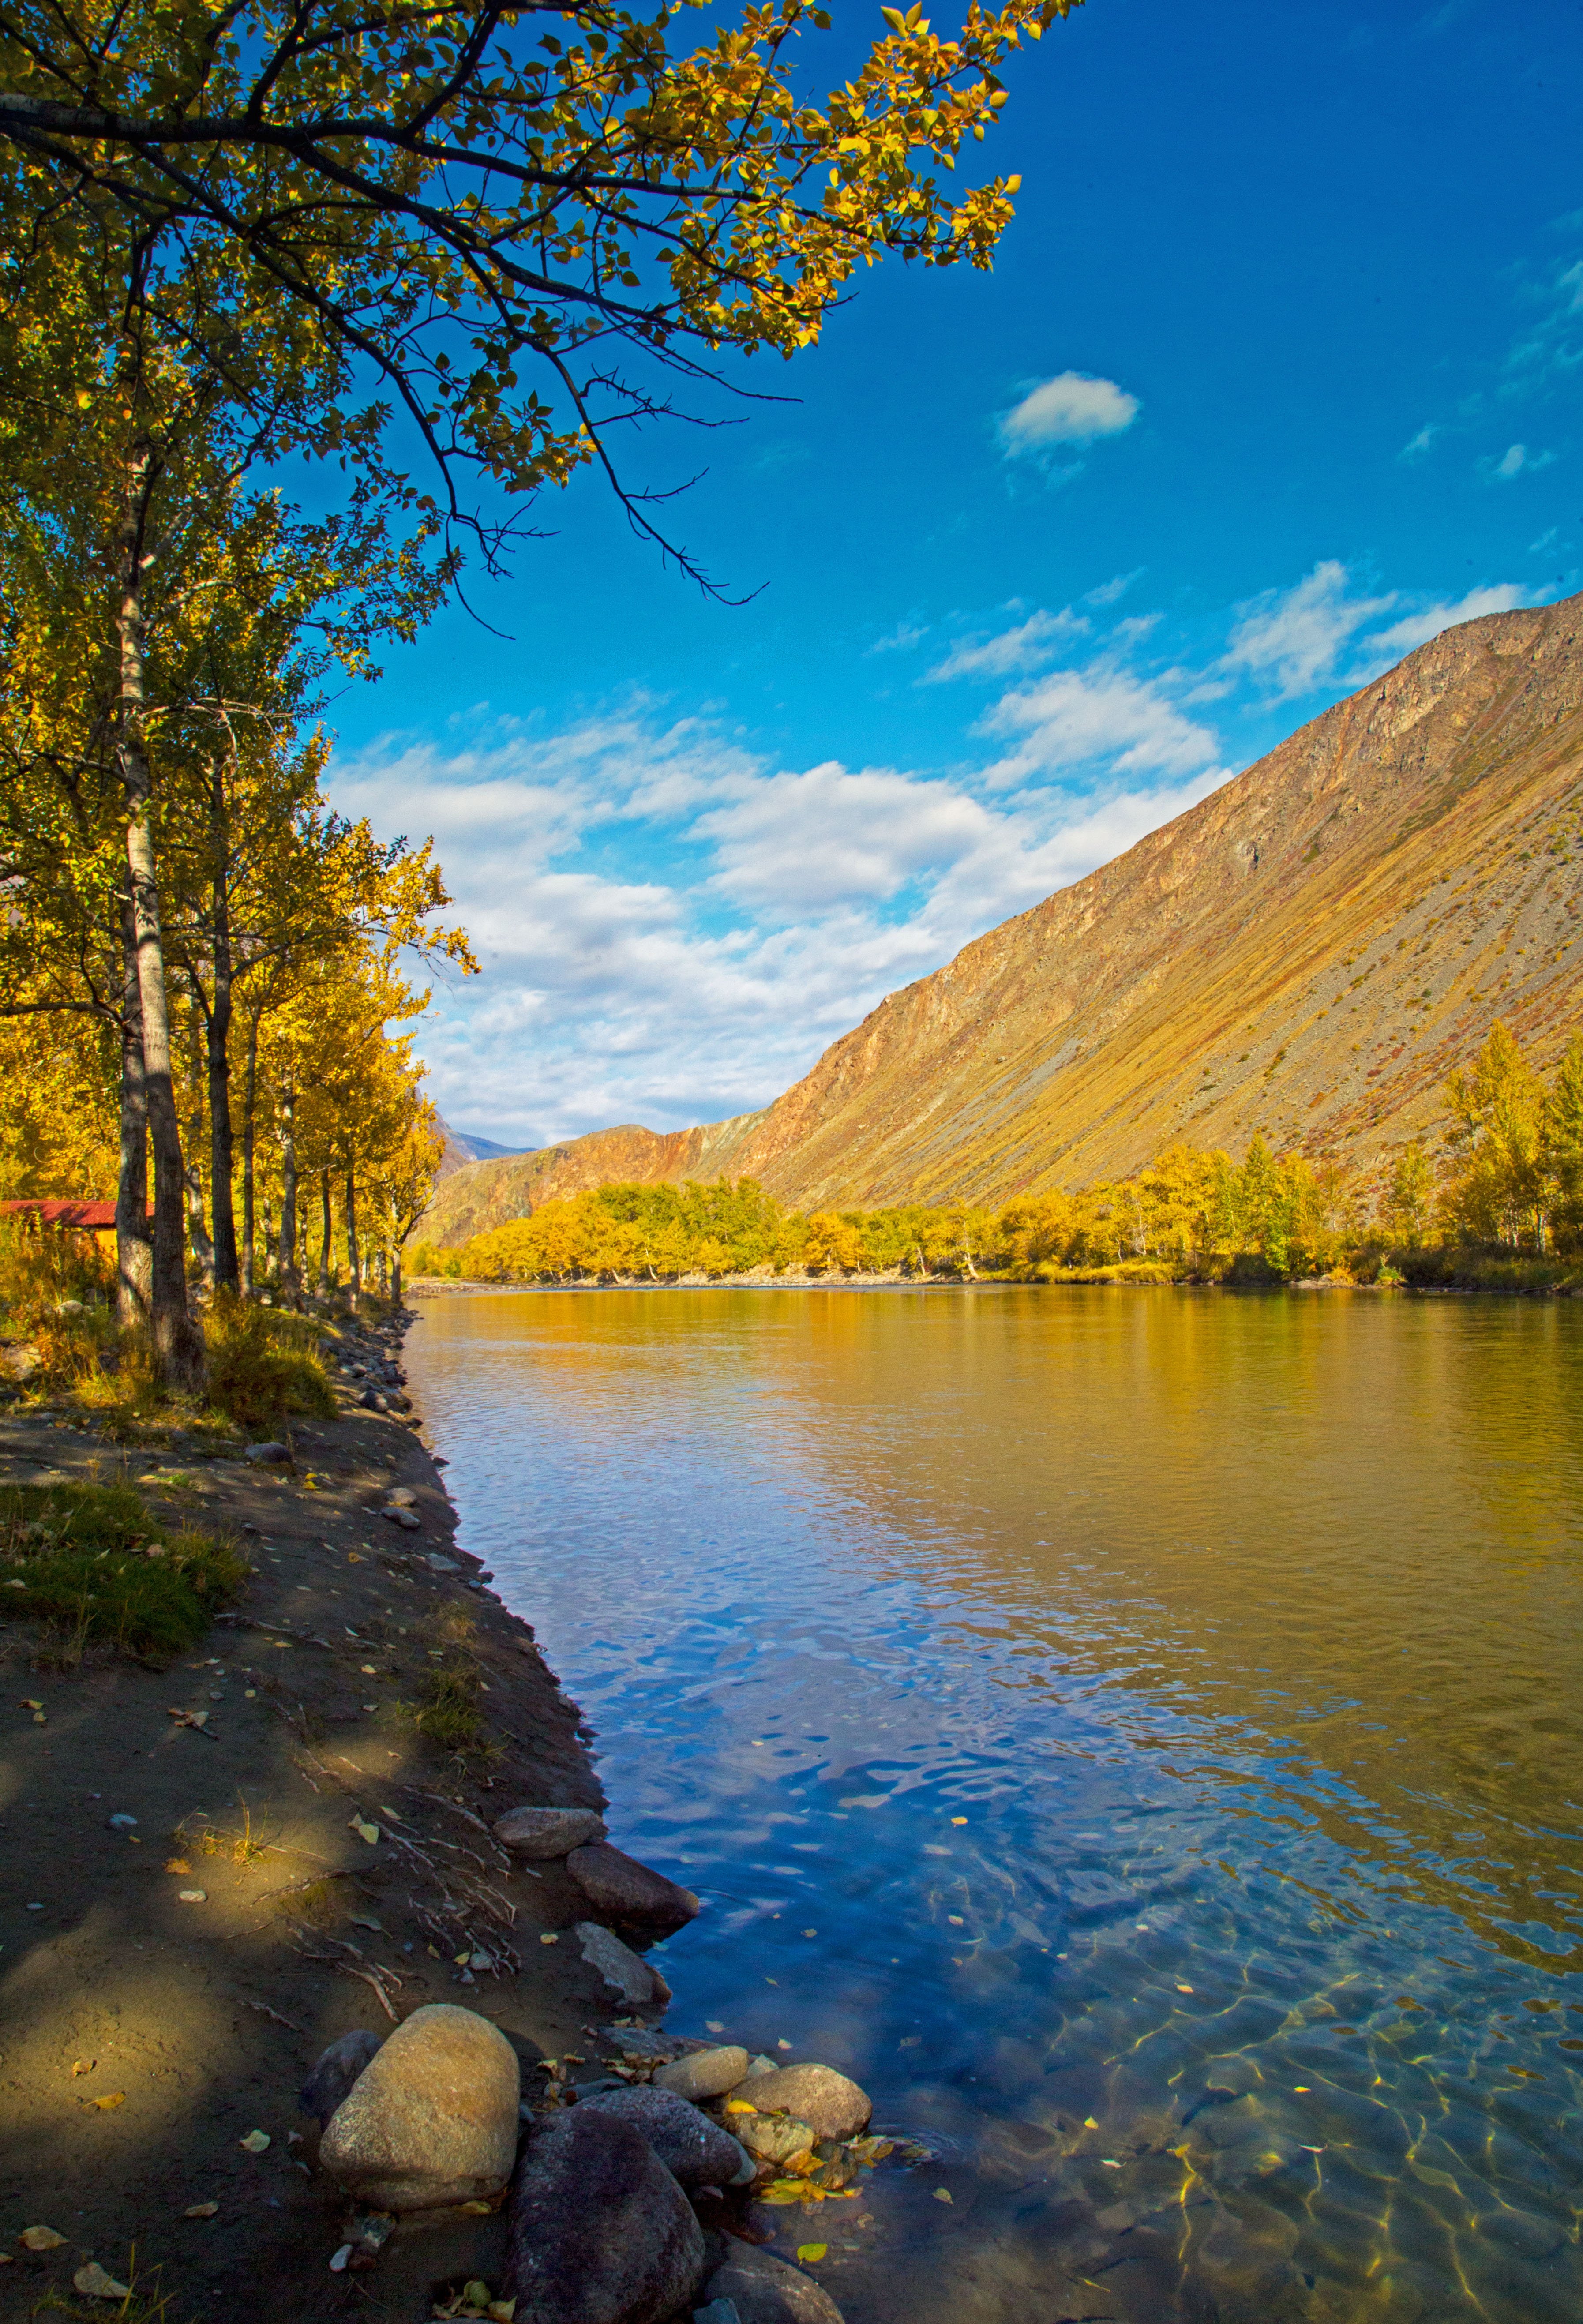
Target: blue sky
x: 1277, y: 373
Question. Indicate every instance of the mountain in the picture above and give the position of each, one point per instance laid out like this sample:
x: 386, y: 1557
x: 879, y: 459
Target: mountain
x: 461, y: 1149
x: 1307, y: 953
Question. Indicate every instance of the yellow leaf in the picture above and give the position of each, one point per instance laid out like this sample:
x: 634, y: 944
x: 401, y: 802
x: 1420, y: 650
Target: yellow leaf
x: 812, y: 2253
x: 42, y: 2239
x: 111, y: 2098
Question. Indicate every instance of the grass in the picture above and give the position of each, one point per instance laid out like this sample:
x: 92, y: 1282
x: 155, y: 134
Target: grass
x: 262, y: 1365
x: 448, y: 1712
x: 91, y: 1562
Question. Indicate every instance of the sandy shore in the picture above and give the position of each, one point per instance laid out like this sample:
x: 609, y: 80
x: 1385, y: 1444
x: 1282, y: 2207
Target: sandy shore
x: 143, y: 2037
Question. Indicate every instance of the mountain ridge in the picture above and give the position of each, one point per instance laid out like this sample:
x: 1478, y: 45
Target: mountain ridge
x: 1426, y: 832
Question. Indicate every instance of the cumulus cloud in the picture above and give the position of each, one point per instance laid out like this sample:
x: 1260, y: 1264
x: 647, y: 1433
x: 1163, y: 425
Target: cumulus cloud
x: 1074, y: 718
x: 1022, y: 647
x: 796, y: 842
x: 1290, y: 639
x: 1072, y: 408
x: 1517, y: 460
x: 1417, y: 446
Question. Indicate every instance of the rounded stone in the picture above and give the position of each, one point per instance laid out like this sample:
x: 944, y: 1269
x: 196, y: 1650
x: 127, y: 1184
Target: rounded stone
x: 696, y: 2152
x: 704, y: 2074
x: 775, y: 2139
x: 626, y: 1973
x: 765, y: 2290
x: 337, y: 2073
x: 600, y: 2231
x: 540, y: 1833
x: 620, y: 1888
x: 832, y: 2105
x: 433, y: 2118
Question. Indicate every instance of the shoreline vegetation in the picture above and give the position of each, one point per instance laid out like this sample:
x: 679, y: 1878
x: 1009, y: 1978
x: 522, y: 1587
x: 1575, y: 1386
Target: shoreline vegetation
x: 1500, y: 1208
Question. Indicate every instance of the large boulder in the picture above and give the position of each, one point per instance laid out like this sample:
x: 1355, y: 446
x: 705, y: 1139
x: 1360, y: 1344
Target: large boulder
x: 431, y: 2119
x: 540, y: 1833
x: 600, y: 2231
x: 626, y: 1973
x: 337, y: 2069
x: 704, y: 2074
x: 768, y: 2290
x: 620, y: 1888
x: 695, y: 2151
x: 832, y: 2107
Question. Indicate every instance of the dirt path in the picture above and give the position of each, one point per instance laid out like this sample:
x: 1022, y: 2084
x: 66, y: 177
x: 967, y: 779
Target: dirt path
x: 143, y: 2037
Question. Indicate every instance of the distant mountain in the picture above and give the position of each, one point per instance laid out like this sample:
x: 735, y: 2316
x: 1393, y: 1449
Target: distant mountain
x: 1308, y: 953
x: 461, y: 1149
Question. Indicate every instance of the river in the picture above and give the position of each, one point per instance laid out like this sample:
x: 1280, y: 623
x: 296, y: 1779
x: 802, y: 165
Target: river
x: 1136, y: 1733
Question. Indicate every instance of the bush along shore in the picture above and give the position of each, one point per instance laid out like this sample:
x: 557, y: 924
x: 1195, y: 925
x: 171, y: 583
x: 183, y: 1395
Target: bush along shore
x: 318, y: 1969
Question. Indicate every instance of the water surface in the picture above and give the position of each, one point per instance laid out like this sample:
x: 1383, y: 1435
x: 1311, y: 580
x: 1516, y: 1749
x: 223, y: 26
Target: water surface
x: 1137, y: 1733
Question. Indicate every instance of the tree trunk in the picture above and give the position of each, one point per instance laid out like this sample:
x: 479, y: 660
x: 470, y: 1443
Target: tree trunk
x: 395, y: 1277
x: 249, y: 1104
x: 218, y: 1029
x: 324, y: 1236
x: 179, y: 1352
x: 353, y: 1263
x: 289, y: 1282
x: 133, y: 1249
x: 197, y: 1235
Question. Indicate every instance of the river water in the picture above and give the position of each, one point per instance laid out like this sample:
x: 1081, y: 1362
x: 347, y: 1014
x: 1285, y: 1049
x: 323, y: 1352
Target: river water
x: 1137, y: 1733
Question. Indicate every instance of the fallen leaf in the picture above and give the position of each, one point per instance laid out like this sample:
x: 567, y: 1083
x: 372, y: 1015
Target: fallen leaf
x: 29, y: 1704
x: 812, y: 2253
x: 40, y: 1719
x: 461, y: 1960
x: 476, y: 2292
x: 714, y: 2024
x: 783, y: 2045
x: 363, y: 1829
x: 1089, y: 2123
x: 1184, y: 1988
x: 256, y: 2142
x: 740, y: 2106
x: 942, y: 2194
x: 111, y: 2098
x: 480, y: 2211
x: 502, y: 2310
x: 84, y: 2065
x: 338, y: 2259
x: 1110, y: 2162
x: 368, y: 1670
x: 178, y: 1864
x: 95, y: 2284
x: 42, y: 2239
x: 958, y: 1819
x: 200, y: 2210
x: 553, y: 1938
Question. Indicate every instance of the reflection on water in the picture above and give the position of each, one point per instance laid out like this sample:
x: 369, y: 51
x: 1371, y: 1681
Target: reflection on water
x: 1137, y: 1733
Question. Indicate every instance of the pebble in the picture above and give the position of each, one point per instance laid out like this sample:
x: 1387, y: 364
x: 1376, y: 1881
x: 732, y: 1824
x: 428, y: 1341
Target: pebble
x: 624, y: 1971
x: 832, y: 2105
x: 123, y: 1822
x: 539, y: 1833
x: 621, y: 1889
x: 765, y: 2290
x: 404, y: 1519
x: 271, y: 1455
x: 338, y: 2067
x: 705, y: 2074
x: 433, y: 2119
x: 695, y: 2151
x: 600, y: 2231
x: 401, y: 1497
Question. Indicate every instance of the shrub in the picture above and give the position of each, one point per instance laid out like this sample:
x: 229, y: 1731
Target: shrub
x: 262, y: 1365
x: 90, y: 1559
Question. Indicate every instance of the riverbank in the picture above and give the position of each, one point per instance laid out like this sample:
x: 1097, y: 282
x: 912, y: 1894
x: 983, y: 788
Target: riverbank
x: 216, y: 1867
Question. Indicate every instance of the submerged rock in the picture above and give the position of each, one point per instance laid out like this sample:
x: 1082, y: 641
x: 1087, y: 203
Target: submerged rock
x: 337, y: 2069
x: 539, y: 1833
x: 774, y: 2138
x: 431, y: 2119
x: 765, y: 2290
x: 695, y: 2151
x: 600, y: 2231
x: 834, y: 2107
x: 626, y: 1973
x: 705, y: 2074
x: 621, y: 1889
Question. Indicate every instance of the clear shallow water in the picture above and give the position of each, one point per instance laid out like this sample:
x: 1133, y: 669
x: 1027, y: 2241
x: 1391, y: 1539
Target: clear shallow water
x: 1138, y: 1734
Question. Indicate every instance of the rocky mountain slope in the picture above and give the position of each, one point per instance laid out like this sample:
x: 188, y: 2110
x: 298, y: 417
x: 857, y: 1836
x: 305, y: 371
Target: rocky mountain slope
x: 1306, y: 953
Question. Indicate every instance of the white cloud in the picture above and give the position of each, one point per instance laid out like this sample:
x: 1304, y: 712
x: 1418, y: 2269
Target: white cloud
x: 798, y: 843
x: 1417, y: 628
x: 1290, y: 639
x: 1517, y: 460
x: 1075, y: 718
x: 905, y: 635
x: 1421, y: 443
x: 1031, y: 641
x: 1071, y: 408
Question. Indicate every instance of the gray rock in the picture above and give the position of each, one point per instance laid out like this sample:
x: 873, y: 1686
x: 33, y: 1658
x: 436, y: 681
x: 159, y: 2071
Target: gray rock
x: 619, y: 1888
x: 401, y: 1497
x: 271, y: 1455
x: 625, y: 1972
x: 765, y: 2290
x: 705, y: 2074
x: 719, y: 2311
x: 404, y: 1519
x: 433, y: 2119
x: 833, y: 2107
x: 21, y: 1362
x: 539, y: 1833
x: 695, y: 2151
x: 600, y: 2231
x: 338, y: 2069
x: 776, y: 2139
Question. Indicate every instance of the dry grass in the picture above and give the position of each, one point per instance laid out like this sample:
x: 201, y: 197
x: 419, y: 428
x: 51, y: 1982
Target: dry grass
x: 262, y: 1366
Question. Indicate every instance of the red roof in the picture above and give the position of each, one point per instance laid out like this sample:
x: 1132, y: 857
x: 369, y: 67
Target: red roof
x: 100, y: 1216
